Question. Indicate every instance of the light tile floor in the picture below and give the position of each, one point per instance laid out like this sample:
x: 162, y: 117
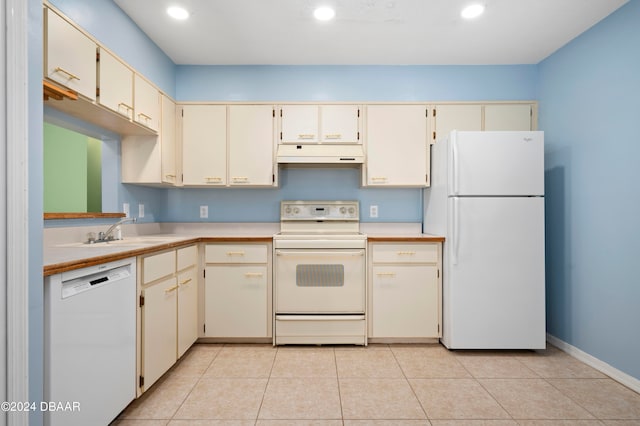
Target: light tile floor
x: 381, y: 385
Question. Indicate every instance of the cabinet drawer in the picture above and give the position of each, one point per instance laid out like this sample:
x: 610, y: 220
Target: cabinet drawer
x: 405, y: 253
x: 187, y: 256
x: 241, y: 253
x: 158, y: 266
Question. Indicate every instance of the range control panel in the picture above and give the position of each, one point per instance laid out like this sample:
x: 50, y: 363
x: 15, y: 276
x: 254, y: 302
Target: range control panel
x: 319, y: 210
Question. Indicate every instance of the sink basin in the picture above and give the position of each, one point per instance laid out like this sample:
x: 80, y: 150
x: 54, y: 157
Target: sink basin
x: 143, y: 241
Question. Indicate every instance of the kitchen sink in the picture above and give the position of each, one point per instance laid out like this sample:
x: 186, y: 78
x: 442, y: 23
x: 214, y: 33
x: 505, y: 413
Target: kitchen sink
x: 143, y: 241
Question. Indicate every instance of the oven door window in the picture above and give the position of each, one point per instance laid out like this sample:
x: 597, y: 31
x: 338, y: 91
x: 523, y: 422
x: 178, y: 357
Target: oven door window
x: 320, y: 275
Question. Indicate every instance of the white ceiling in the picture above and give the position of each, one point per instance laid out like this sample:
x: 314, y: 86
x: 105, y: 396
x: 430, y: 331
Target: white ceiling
x: 380, y: 32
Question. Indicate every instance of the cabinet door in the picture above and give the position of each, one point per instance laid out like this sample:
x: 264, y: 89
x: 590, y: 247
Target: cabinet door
x: 236, y: 301
x: 299, y: 123
x: 405, y: 301
x: 397, y: 152
x: 456, y: 117
x: 70, y: 56
x: 251, y: 145
x: 116, y: 84
x: 159, y: 329
x: 340, y: 123
x: 168, y: 140
x: 187, y: 309
x: 507, y: 117
x: 147, y: 103
x: 204, y: 145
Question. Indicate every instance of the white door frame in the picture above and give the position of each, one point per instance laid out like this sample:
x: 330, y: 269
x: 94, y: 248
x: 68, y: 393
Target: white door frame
x: 14, y: 255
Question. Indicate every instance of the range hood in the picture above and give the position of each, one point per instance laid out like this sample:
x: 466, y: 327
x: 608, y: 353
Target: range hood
x: 320, y: 154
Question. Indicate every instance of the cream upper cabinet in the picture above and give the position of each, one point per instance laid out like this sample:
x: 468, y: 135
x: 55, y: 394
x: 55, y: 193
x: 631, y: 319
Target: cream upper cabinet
x: 168, y: 140
x: 455, y: 117
x: 508, y: 117
x: 396, y: 146
x: 204, y: 145
x: 251, y: 144
x: 70, y: 56
x: 320, y: 123
x: 146, y: 103
x: 339, y: 123
x: 115, y: 81
x: 299, y: 124
x: 152, y: 159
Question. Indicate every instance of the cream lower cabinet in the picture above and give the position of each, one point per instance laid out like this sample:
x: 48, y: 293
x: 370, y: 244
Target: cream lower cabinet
x: 397, y: 146
x: 405, y: 297
x: 237, y: 291
x: 168, y: 310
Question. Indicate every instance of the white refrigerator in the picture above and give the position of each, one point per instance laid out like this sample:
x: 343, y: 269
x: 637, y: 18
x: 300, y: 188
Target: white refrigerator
x: 487, y: 199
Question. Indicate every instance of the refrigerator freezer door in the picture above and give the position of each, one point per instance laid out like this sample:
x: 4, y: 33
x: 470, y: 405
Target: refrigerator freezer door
x: 493, y: 294
x: 496, y: 163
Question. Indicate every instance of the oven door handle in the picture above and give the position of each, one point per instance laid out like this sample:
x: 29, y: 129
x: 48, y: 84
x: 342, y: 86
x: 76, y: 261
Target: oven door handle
x: 318, y: 253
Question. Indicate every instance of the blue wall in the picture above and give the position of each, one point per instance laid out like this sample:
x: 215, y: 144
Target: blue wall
x: 588, y: 93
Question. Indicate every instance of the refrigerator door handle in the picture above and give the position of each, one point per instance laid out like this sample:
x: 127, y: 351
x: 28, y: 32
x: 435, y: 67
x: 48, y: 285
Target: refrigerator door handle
x: 454, y: 165
x: 456, y: 232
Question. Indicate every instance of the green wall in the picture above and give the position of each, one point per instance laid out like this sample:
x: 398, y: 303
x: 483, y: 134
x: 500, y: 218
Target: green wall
x: 72, y: 171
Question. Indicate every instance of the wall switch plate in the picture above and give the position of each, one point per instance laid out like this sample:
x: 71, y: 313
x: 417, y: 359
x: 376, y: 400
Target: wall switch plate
x: 125, y: 209
x: 373, y: 211
x: 140, y: 210
x: 204, y: 212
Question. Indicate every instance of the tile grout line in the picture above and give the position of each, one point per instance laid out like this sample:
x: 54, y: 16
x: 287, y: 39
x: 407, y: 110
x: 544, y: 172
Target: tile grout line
x: 195, y: 384
x: 266, y: 386
x: 404, y: 375
x: 335, y: 363
x: 571, y: 399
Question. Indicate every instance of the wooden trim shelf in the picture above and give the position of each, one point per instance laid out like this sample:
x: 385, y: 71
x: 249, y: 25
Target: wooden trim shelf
x: 53, y: 216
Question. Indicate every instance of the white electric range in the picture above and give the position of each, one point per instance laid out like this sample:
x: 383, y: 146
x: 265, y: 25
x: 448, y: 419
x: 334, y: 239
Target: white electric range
x: 319, y: 274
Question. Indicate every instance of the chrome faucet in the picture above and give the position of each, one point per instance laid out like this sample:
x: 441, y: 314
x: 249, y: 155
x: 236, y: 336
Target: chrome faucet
x: 106, y: 236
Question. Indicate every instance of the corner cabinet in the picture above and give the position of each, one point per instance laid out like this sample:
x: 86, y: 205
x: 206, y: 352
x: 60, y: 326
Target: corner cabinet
x: 168, y: 310
x: 238, y: 290
x: 397, y: 146
x: 405, y: 290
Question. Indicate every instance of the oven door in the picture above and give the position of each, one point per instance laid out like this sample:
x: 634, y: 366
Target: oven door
x: 319, y: 281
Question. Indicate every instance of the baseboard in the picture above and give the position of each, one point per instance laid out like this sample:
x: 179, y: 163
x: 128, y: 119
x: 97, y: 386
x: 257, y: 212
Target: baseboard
x: 617, y: 375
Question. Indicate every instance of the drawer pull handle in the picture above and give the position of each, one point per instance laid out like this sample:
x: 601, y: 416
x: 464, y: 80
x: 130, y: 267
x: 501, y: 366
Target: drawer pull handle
x: 253, y: 274
x: 386, y: 274
x: 71, y: 75
x: 240, y: 178
x: 170, y: 289
x: 333, y: 136
x: 213, y: 179
x: 235, y: 253
x: 406, y: 253
x: 127, y: 107
x: 170, y: 176
x: 187, y: 281
x: 306, y: 136
x: 143, y: 115
x: 379, y: 179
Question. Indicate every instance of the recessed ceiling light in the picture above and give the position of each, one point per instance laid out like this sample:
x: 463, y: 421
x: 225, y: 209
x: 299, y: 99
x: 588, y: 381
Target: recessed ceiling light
x: 324, y: 13
x: 177, y: 12
x: 472, y: 11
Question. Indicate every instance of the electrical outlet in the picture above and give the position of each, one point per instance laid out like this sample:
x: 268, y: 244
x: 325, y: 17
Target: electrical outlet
x: 140, y: 210
x: 204, y: 212
x: 373, y: 211
x: 125, y: 209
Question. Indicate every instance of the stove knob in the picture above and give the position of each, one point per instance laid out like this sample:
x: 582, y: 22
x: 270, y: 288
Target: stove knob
x: 296, y: 210
x: 352, y: 210
x: 287, y: 210
x: 343, y: 210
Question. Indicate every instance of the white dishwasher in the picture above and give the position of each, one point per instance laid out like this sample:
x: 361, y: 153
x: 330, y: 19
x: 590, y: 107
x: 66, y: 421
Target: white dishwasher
x: 90, y: 343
